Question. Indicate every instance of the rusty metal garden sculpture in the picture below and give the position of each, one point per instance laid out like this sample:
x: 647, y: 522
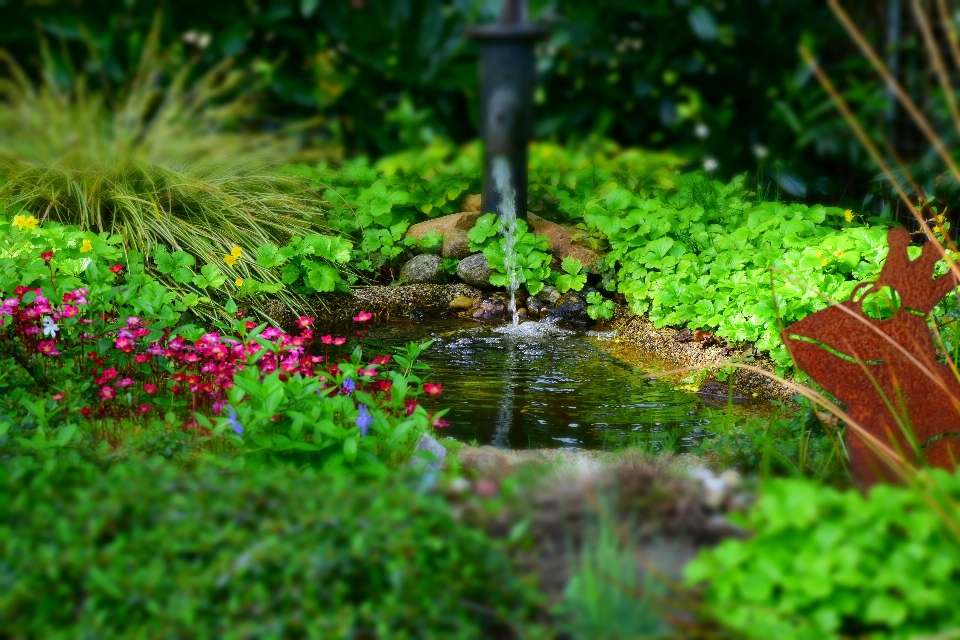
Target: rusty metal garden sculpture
x: 886, y: 371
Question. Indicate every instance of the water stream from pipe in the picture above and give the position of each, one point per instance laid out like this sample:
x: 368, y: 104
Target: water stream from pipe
x: 503, y: 184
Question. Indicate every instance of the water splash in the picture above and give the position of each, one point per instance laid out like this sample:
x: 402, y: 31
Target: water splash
x: 503, y: 184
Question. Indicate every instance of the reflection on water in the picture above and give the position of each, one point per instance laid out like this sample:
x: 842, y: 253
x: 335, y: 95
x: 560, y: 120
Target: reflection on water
x: 535, y: 385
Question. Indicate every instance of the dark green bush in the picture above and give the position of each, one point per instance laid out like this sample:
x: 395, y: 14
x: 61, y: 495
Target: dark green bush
x: 148, y: 551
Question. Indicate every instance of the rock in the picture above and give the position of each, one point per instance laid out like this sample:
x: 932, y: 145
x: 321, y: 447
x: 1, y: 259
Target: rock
x: 548, y: 295
x: 423, y: 269
x: 570, y: 309
x: 717, y: 393
x: 490, y: 309
x: 444, y: 224
x: 705, y: 338
x: 475, y: 271
x: 562, y: 244
x: 461, y: 303
x: 455, y: 244
x: 471, y: 203
x: 535, y: 307
x: 684, y: 335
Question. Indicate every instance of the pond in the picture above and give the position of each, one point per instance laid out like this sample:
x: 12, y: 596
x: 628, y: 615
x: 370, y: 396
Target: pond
x: 537, y: 385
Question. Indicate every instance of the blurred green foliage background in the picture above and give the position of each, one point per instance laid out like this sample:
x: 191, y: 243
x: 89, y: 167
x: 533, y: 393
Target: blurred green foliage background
x: 714, y: 79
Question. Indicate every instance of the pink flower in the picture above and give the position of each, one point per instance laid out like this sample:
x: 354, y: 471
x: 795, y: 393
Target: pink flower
x: 149, y: 389
x: 123, y: 383
x: 363, y: 316
x: 68, y: 311
x: 117, y: 268
x: 381, y: 360
x: 271, y: 333
x: 125, y: 344
x: 327, y: 339
x: 47, y: 256
x: 133, y: 321
x: 367, y: 372
x: 107, y: 393
x: 48, y: 348
x: 339, y: 341
x: 57, y: 397
x: 140, y: 358
x: 303, y: 322
x: 144, y: 408
x: 440, y: 423
x: 433, y: 388
x: 108, y: 375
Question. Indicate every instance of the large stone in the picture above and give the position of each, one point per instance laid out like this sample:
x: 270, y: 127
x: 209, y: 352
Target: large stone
x: 471, y: 203
x: 455, y: 244
x: 562, y: 244
x: 423, y: 269
x: 444, y: 224
x: 461, y: 303
x: 475, y: 271
x: 491, y: 310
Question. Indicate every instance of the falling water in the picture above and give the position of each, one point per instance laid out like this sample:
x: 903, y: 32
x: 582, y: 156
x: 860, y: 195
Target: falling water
x: 508, y: 216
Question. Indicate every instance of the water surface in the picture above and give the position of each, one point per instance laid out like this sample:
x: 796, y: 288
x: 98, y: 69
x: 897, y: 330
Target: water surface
x: 537, y: 385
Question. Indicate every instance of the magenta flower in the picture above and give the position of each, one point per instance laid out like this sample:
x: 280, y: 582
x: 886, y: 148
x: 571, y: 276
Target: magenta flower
x: 125, y: 344
x: 149, y: 389
x: 123, y: 383
x: 433, y: 388
x: 367, y: 372
x: 303, y: 322
x: 339, y: 341
x: 144, y: 408
x: 363, y: 316
x: 117, y: 268
x: 48, y: 348
x: 327, y: 339
x: 134, y: 321
x: 140, y: 358
x: 107, y: 393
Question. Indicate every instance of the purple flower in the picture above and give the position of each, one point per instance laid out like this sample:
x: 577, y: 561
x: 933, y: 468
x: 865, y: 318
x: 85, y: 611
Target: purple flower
x: 364, y: 420
x: 348, y: 385
x: 233, y: 422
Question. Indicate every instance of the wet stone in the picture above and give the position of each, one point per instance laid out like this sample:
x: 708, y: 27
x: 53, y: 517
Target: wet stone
x: 475, y: 271
x: 548, y: 295
x: 461, y: 303
x: 490, y: 310
x: 423, y: 269
x: 455, y: 244
x: 570, y: 309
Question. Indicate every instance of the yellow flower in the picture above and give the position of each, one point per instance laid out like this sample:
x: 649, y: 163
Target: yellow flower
x: 941, y: 218
x: 848, y: 215
x: 238, y: 282
x: 236, y: 252
x: 937, y: 229
x: 819, y: 254
x: 838, y: 253
x: 230, y: 260
x: 824, y: 263
x: 25, y: 222
x: 86, y: 246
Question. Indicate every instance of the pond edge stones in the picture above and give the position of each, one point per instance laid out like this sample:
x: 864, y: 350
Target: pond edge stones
x: 425, y: 268
x: 475, y: 271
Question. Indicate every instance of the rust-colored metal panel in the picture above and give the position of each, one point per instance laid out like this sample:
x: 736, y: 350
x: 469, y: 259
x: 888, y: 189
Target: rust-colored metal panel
x: 886, y: 372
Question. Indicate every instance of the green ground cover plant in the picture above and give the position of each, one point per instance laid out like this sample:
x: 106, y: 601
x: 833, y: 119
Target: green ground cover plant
x: 709, y: 255
x: 824, y: 563
x: 373, y: 203
x: 146, y: 549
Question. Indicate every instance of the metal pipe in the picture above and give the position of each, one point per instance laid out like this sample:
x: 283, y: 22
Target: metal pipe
x: 507, y: 80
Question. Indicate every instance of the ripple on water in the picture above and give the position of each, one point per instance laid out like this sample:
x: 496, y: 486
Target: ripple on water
x: 539, y: 385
